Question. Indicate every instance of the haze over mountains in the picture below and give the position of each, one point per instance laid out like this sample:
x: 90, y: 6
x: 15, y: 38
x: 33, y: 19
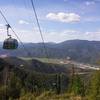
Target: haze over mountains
x: 78, y: 50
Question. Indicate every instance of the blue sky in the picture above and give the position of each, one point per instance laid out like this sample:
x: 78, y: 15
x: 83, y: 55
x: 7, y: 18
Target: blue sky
x: 60, y: 20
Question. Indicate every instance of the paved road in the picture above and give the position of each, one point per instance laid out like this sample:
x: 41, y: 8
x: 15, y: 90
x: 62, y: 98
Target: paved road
x: 83, y: 66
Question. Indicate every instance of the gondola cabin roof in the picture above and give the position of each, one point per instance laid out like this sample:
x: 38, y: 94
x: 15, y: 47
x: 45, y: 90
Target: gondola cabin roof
x: 10, y: 43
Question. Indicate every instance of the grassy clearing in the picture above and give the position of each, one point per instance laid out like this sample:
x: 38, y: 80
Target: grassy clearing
x: 45, y: 60
x: 51, y: 96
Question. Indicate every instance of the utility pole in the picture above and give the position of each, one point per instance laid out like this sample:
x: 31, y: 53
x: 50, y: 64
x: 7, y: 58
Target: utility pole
x: 5, y: 78
x: 73, y: 73
x: 58, y: 83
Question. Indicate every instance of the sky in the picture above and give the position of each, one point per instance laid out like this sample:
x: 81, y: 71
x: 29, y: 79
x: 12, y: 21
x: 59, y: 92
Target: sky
x: 60, y: 20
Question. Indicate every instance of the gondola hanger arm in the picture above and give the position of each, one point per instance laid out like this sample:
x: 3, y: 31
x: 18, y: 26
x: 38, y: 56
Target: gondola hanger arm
x: 8, y: 26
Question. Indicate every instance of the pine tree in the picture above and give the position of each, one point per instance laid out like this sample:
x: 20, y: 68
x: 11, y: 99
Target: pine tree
x: 94, y: 87
x: 14, y: 86
x: 77, y: 86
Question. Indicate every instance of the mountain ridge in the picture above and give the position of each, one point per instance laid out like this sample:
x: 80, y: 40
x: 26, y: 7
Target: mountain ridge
x: 78, y: 50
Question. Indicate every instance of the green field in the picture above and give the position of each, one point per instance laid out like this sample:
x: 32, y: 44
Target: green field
x: 45, y: 60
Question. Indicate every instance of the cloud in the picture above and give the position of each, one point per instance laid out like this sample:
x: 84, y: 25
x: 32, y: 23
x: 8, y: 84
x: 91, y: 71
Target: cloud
x: 51, y: 36
x: 2, y: 30
x: 63, y: 17
x: 1, y: 25
x: 92, y: 35
x: 60, y: 36
x: 88, y: 3
x: 65, y: 0
x: 34, y: 36
x: 71, y: 31
x: 23, y: 22
x: 72, y: 34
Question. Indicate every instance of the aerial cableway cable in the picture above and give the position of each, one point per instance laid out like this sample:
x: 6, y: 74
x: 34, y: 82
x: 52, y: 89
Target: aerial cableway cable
x: 58, y: 76
x: 40, y: 31
x: 28, y: 53
x: 6, y: 70
x: 39, y: 28
x: 41, y: 34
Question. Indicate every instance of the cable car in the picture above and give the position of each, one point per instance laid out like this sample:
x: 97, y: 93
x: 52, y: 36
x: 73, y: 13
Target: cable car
x: 10, y: 43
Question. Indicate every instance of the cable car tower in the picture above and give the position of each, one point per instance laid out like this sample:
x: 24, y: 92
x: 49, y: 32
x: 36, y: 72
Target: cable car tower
x: 10, y: 43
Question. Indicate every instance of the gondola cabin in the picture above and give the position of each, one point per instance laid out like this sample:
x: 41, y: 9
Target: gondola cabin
x: 10, y: 43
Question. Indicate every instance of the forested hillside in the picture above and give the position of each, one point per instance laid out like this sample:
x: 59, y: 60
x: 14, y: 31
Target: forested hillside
x: 28, y: 81
x: 78, y: 50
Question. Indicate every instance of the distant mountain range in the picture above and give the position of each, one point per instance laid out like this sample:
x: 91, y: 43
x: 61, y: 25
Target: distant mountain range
x: 78, y: 50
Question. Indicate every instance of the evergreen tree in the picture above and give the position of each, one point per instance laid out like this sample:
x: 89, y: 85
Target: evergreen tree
x: 14, y: 86
x: 94, y: 87
x: 76, y: 85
